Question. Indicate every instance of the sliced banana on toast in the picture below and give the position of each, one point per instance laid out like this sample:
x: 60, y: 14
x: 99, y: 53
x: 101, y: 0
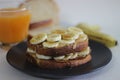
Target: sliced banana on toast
x: 70, y: 41
x: 59, y: 57
x: 43, y: 56
x: 50, y: 44
x: 59, y: 31
x: 58, y: 37
x: 70, y: 36
x: 53, y: 37
x: 83, y: 37
x: 38, y: 38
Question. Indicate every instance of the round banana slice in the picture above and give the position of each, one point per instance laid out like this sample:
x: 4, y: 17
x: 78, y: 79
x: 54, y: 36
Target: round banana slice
x: 38, y: 38
x: 53, y: 37
x: 59, y: 57
x: 50, y: 44
x: 70, y: 36
x: 75, y: 30
x: 83, y: 37
x: 59, y: 31
x: 67, y: 41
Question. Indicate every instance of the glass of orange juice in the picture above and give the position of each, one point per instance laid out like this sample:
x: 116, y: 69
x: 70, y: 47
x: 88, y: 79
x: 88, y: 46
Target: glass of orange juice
x: 14, y: 22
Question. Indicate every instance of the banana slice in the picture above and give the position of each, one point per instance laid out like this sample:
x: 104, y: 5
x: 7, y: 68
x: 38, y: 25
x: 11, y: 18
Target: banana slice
x: 53, y: 37
x: 84, y: 53
x: 69, y: 56
x: 67, y: 41
x: 59, y: 57
x: 75, y: 55
x: 50, y: 44
x: 70, y: 36
x: 30, y: 50
x: 59, y: 31
x: 38, y: 38
x: 75, y: 30
x: 83, y: 37
x: 42, y: 56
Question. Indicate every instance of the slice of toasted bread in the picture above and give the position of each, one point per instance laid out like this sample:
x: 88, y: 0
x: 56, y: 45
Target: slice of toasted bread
x: 44, y: 12
x: 70, y: 48
x: 52, y: 64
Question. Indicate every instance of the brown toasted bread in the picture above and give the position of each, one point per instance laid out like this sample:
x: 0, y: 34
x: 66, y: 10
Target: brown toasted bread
x: 52, y: 64
x: 58, y: 51
x: 41, y: 24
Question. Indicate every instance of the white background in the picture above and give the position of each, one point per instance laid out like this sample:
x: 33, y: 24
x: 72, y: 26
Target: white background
x: 105, y: 13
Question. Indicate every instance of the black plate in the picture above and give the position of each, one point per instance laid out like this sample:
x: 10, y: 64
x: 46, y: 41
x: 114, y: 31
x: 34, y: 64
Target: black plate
x: 101, y: 56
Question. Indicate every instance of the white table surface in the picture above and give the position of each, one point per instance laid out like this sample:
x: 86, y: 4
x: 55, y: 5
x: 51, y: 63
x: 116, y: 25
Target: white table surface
x: 105, y: 13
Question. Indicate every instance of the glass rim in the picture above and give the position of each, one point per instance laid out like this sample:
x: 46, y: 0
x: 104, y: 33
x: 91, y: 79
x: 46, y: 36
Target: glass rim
x: 18, y: 8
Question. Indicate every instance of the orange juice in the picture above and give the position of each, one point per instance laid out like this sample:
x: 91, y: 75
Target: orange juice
x: 14, y: 24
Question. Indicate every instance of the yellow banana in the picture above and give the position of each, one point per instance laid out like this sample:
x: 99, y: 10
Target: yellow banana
x: 99, y: 36
x: 95, y: 27
x: 92, y: 27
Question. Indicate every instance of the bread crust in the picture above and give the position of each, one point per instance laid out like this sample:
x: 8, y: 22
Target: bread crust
x: 54, y: 20
x: 41, y: 24
x: 52, y: 64
x: 58, y: 51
